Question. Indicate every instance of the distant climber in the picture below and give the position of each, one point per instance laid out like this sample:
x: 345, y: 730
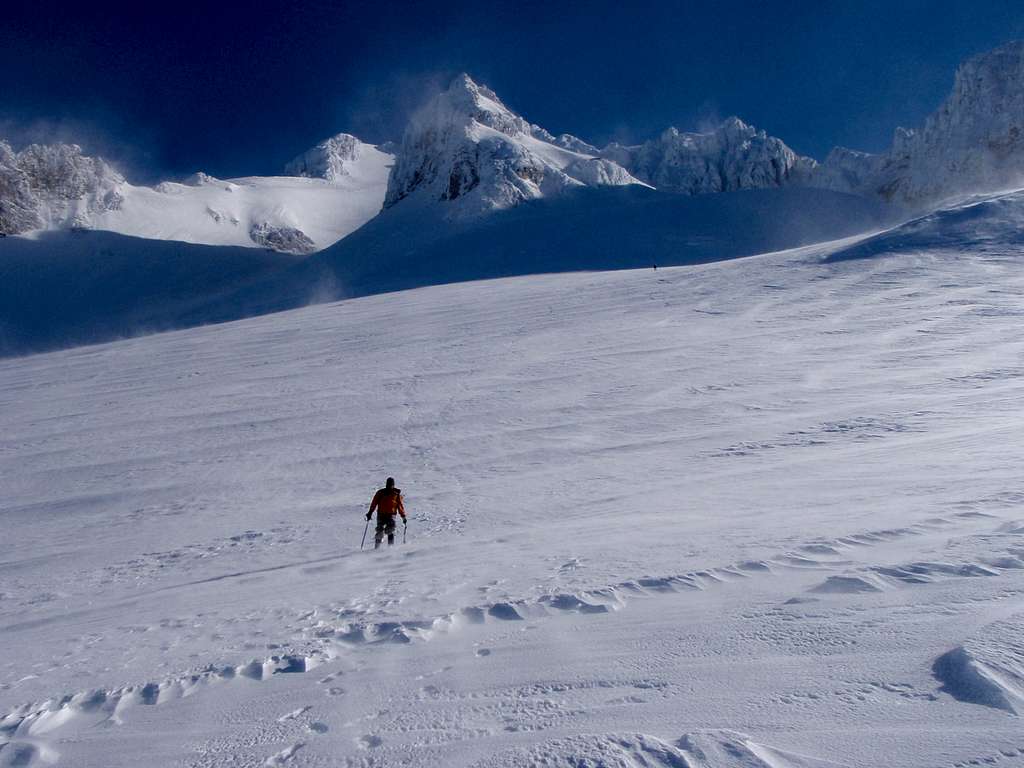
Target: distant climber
x: 387, y: 502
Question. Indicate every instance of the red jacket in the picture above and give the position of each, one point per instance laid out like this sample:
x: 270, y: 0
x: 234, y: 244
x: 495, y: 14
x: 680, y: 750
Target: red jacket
x: 387, y: 501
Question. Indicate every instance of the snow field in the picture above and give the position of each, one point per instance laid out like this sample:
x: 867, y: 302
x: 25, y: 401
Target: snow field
x: 757, y: 513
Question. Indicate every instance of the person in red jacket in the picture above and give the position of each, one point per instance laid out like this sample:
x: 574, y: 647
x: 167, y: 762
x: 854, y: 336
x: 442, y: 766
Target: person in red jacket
x: 387, y: 502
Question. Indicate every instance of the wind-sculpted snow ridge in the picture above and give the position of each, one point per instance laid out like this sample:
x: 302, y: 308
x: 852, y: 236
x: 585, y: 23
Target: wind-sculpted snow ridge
x: 466, y: 148
x: 974, y: 141
x: 711, y: 748
x: 985, y: 224
x: 23, y: 731
x: 988, y: 668
x: 1004, y: 554
x: 733, y: 156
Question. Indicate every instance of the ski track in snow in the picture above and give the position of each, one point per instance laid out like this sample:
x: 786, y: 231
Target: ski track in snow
x: 743, y: 514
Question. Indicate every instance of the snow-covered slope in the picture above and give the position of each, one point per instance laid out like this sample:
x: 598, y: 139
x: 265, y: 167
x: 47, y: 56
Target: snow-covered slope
x: 597, y: 228
x: 733, y: 156
x: 466, y: 150
x: 983, y: 223
x: 409, y: 246
x: 754, y: 514
x: 65, y: 288
x: 56, y: 187
x: 974, y: 142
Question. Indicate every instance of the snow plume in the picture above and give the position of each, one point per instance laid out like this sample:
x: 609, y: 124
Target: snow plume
x: 327, y: 287
x: 380, y: 113
x: 126, y: 154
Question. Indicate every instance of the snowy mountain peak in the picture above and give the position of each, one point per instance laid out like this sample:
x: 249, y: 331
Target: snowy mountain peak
x: 331, y: 159
x: 466, y: 102
x: 465, y: 145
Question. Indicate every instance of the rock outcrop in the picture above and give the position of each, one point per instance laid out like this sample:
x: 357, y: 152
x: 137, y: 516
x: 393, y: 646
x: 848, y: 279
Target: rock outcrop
x: 281, y: 238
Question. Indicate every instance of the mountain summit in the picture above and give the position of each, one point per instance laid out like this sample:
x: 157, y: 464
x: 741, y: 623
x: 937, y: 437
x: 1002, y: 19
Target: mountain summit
x: 466, y: 148
x: 339, y: 157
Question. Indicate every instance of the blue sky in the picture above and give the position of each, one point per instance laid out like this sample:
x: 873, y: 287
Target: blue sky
x: 239, y: 89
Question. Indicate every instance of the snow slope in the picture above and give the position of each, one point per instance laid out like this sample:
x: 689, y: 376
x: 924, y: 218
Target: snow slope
x: 604, y: 228
x: 65, y: 288
x: 408, y: 246
x: 763, y: 512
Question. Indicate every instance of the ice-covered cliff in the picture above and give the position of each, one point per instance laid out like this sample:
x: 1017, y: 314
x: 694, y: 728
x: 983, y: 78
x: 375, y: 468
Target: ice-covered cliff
x: 731, y: 157
x: 974, y: 141
x: 53, y: 186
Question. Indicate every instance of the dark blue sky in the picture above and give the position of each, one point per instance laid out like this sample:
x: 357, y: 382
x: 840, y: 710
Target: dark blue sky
x: 166, y: 89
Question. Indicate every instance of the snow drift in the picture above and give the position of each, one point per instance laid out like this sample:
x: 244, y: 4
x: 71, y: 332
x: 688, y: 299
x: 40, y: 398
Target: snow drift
x: 988, y: 669
x: 713, y: 748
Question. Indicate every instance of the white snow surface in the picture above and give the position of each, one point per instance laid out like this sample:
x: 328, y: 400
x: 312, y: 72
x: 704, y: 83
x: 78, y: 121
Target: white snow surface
x: 759, y: 513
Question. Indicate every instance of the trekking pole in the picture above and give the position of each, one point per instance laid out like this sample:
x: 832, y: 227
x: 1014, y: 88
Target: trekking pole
x: 364, y: 533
